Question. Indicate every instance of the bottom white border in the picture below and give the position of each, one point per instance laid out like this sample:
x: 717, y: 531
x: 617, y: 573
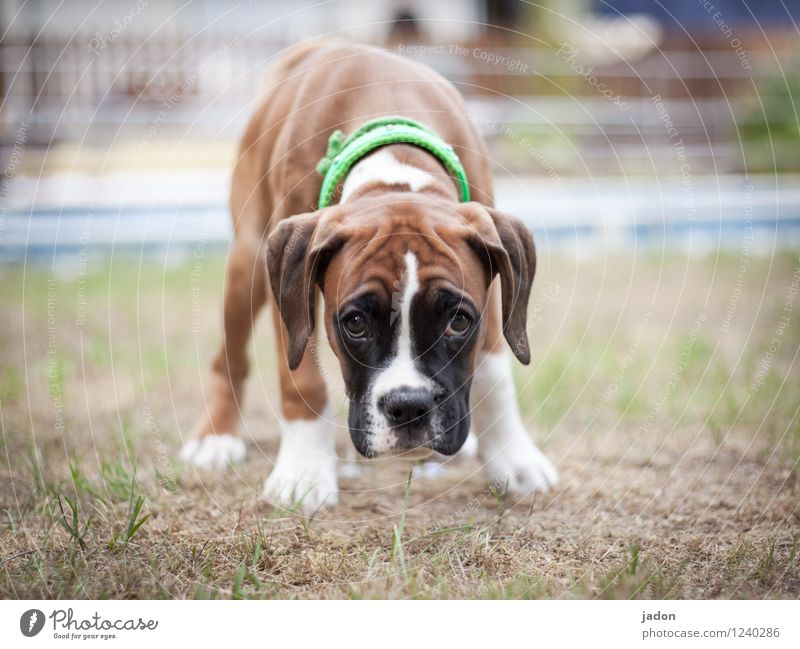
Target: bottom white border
x: 406, y: 624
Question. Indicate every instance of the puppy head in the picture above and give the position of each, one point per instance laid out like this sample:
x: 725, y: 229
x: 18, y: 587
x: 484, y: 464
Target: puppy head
x: 405, y: 288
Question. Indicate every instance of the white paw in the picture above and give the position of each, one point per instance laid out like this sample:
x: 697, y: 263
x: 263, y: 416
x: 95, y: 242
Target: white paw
x: 214, y: 451
x: 306, y: 488
x: 304, y: 475
x: 518, y: 467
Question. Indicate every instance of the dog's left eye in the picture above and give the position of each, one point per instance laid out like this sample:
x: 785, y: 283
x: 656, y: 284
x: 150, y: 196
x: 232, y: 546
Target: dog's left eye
x: 458, y: 325
x: 356, y: 325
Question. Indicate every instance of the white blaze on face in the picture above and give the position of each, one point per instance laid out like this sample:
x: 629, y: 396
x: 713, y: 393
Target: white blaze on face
x: 402, y: 370
x: 384, y: 168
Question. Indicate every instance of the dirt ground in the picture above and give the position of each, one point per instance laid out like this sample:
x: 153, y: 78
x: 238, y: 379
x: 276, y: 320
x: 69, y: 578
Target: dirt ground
x: 663, y: 386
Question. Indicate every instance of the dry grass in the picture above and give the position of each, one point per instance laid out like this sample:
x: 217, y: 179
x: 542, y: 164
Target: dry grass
x: 679, y: 463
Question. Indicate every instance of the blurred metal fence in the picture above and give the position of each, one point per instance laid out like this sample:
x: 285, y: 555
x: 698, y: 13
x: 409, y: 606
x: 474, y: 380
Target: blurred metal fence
x: 536, y: 103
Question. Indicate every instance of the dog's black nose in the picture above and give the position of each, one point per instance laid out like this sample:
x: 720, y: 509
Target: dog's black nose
x: 407, y: 406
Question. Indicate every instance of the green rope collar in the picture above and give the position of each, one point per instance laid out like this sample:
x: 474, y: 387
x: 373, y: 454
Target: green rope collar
x: 343, y: 152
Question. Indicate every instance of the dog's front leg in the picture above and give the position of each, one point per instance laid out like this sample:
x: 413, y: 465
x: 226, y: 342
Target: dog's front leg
x: 304, y: 473
x: 512, y: 461
x: 215, y: 442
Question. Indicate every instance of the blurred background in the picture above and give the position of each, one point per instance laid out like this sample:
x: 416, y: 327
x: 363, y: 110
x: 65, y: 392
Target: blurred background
x: 608, y: 122
x: 652, y: 147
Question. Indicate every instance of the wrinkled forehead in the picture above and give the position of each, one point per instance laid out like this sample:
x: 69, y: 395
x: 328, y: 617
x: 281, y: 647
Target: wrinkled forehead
x: 388, y: 265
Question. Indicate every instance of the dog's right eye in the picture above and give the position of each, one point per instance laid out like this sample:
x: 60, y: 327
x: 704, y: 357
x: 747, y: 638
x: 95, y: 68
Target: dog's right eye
x: 355, y: 325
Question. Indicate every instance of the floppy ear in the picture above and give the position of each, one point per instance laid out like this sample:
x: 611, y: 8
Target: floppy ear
x: 507, y: 247
x: 298, y: 250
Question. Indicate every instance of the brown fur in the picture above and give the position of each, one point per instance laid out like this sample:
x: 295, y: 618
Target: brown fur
x: 312, y: 90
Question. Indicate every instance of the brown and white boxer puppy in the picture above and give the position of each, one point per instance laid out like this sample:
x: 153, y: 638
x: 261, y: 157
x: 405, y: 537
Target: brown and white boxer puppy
x: 419, y: 289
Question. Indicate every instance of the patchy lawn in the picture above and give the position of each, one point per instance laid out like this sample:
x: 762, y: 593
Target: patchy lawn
x: 665, y: 388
